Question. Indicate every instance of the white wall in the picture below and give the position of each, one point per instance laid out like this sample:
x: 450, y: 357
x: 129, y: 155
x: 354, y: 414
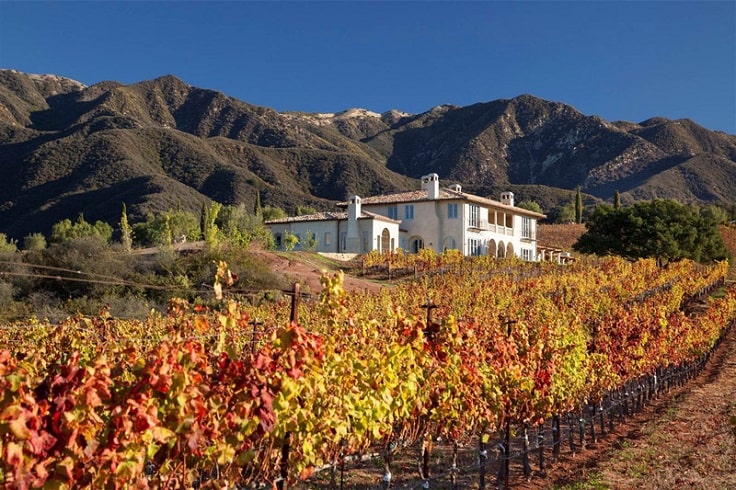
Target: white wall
x: 431, y: 223
x: 319, y: 228
x: 367, y: 232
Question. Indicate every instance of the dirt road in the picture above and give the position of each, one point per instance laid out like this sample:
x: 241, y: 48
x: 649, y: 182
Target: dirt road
x: 685, y: 440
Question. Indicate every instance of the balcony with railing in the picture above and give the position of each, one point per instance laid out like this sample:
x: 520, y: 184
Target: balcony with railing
x: 484, y: 225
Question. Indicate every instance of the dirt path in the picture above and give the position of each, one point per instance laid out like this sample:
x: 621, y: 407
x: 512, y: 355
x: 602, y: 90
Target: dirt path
x: 684, y: 440
x: 305, y: 269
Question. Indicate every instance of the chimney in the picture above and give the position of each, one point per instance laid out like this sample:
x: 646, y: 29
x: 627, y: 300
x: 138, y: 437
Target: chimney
x: 431, y: 184
x: 352, y: 237
x: 507, y: 198
x: 457, y: 188
x: 354, y: 210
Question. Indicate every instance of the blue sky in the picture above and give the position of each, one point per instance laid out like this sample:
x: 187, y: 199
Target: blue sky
x: 618, y: 60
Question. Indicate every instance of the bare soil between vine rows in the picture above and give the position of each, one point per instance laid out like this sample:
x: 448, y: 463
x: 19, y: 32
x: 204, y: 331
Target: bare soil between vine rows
x: 682, y: 439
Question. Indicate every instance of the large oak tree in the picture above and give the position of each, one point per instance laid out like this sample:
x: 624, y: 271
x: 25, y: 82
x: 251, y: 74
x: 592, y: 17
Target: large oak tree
x: 661, y: 228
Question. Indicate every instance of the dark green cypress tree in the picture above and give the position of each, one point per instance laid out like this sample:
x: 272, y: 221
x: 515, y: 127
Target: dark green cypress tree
x: 578, y: 206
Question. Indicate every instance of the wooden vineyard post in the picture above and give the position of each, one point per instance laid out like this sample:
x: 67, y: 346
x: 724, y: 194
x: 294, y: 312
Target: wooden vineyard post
x: 283, y: 484
x: 570, y: 437
x: 255, y: 324
x: 507, y: 440
x: 294, y: 317
x: 343, y: 444
x: 387, y: 456
x: 591, y: 412
x: 581, y: 428
x: 424, y: 467
x: 429, y: 306
x: 482, y: 460
x: 540, y: 446
x: 503, y: 457
x: 611, y: 415
x: 454, y: 469
x: 556, y: 439
x: 525, y: 454
x: 507, y: 456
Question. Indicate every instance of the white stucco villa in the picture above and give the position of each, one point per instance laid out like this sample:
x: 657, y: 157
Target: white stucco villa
x: 432, y: 217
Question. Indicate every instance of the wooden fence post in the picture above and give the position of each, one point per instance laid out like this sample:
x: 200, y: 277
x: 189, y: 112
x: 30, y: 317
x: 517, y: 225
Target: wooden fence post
x: 283, y: 483
x: 295, y: 304
x: 482, y: 459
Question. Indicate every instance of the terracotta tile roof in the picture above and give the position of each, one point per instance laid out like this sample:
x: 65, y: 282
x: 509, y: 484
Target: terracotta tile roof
x: 380, y: 217
x: 327, y: 216
x: 309, y: 217
x: 445, y: 194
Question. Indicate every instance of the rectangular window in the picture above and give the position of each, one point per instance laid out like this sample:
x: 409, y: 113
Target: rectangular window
x: 393, y: 212
x: 473, y: 247
x: 328, y: 238
x: 452, y: 210
x: 474, y: 216
x: 409, y: 211
x: 526, y: 254
x: 526, y: 228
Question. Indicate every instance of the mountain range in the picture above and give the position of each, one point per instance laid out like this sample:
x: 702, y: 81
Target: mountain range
x: 67, y: 148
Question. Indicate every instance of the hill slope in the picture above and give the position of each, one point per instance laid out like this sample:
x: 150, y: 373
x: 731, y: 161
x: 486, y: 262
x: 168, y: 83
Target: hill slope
x: 66, y: 148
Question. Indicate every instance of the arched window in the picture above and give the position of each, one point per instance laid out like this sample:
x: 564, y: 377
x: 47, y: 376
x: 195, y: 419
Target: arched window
x: 510, y: 250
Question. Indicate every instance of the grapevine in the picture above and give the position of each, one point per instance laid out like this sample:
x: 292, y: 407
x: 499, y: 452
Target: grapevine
x: 217, y: 393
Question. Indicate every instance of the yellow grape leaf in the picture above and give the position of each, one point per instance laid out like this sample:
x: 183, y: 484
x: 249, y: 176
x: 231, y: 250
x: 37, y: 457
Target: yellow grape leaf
x: 18, y: 425
x: 307, y: 448
x: 200, y: 324
x: 227, y: 455
x: 245, y: 457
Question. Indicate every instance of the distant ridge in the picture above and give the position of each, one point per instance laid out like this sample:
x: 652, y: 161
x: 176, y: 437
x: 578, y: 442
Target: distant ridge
x: 66, y: 149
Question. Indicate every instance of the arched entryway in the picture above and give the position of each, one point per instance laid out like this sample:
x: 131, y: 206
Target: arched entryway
x: 449, y: 243
x: 385, y: 240
x: 416, y: 243
x: 501, y: 252
x: 491, y: 248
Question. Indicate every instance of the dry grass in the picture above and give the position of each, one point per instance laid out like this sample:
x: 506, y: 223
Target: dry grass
x: 559, y: 236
